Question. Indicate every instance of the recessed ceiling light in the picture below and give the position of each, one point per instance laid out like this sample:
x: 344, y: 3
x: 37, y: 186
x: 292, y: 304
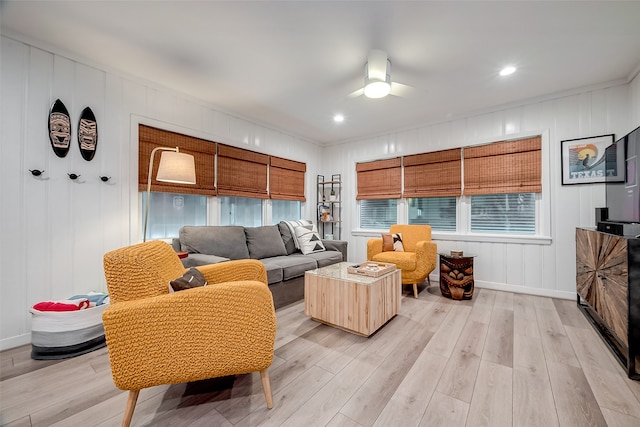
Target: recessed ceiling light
x: 338, y: 118
x: 507, y: 70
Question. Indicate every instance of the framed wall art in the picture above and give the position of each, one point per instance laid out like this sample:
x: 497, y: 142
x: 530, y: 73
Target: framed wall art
x: 587, y: 160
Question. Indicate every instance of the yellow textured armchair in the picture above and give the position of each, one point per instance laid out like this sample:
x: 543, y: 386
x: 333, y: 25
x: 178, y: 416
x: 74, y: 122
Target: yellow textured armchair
x: 155, y: 337
x: 418, y: 259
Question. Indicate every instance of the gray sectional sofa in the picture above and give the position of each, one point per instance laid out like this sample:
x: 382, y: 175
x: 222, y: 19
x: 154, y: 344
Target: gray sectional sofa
x: 273, y: 245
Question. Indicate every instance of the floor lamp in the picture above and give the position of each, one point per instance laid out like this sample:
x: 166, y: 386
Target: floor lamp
x: 175, y: 167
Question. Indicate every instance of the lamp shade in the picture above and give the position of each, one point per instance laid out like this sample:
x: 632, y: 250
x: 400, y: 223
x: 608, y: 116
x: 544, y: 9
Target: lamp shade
x: 176, y: 167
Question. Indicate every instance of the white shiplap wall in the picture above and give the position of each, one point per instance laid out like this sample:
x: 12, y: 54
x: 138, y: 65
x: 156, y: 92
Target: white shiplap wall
x: 545, y: 267
x: 55, y: 230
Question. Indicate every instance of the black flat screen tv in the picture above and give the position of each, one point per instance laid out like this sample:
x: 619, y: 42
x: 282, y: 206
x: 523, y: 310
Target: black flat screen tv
x: 623, y: 195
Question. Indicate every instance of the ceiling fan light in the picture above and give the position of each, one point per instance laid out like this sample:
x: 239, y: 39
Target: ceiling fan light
x: 377, y: 89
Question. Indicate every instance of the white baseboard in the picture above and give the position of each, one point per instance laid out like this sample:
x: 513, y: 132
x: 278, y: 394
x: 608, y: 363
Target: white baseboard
x: 16, y: 341
x: 551, y: 293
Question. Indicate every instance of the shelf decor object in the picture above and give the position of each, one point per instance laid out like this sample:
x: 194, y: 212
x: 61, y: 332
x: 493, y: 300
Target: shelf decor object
x: 175, y: 167
x: 59, y: 128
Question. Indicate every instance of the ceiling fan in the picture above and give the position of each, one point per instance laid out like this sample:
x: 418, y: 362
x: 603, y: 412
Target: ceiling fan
x: 377, y: 78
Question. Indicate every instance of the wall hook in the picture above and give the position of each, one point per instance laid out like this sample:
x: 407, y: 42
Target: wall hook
x: 105, y: 178
x: 36, y: 172
x: 73, y: 176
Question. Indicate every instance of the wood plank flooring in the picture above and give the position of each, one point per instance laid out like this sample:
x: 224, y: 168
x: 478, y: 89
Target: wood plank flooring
x: 500, y: 359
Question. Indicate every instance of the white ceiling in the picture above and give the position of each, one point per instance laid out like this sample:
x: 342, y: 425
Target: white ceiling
x: 292, y: 65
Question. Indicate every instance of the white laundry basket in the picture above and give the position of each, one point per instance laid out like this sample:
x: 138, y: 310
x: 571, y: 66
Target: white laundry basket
x: 64, y: 334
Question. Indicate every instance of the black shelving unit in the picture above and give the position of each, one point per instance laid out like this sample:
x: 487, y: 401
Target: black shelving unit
x: 329, y: 206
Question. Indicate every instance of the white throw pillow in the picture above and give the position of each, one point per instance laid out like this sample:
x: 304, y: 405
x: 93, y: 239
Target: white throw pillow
x: 292, y: 228
x: 309, y: 239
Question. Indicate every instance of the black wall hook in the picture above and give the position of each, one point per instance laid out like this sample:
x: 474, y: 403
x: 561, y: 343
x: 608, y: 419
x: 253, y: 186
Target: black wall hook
x: 105, y: 178
x: 36, y: 172
x: 73, y: 176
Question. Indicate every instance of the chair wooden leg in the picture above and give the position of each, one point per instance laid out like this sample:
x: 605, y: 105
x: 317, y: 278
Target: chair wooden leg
x: 131, y: 405
x: 266, y: 385
x: 415, y: 290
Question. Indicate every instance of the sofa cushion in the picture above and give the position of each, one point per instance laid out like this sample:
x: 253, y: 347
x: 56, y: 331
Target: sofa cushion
x: 287, y: 237
x: 264, y: 242
x: 194, y: 260
x: 326, y: 258
x: 227, y: 241
x: 309, y: 239
x: 293, y: 265
x: 274, y: 270
x: 402, y: 260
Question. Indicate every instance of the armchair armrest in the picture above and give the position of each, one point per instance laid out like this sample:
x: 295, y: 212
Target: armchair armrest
x: 374, y: 247
x: 427, y: 250
x: 199, y: 333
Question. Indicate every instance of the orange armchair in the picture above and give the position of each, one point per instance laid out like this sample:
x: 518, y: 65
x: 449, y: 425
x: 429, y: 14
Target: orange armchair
x: 155, y: 337
x: 418, y: 259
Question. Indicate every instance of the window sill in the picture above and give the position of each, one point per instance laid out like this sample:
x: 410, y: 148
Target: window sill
x: 489, y: 238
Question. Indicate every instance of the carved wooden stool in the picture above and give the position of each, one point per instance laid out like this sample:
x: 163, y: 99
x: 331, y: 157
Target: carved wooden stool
x: 456, y: 276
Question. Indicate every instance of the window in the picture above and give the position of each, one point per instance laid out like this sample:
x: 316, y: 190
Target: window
x: 169, y: 212
x: 504, y: 213
x: 240, y: 211
x: 379, y: 186
x: 284, y: 210
x: 378, y: 213
x: 494, y: 188
x: 438, y: 212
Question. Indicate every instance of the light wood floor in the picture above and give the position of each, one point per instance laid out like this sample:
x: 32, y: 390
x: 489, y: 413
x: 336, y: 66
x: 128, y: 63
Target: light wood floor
x: 501, y: 359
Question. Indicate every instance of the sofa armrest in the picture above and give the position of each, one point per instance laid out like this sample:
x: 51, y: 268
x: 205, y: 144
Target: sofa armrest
x: 196, y: 260
x: 337, y: 245
x: 175, y: 244
x: 231, y: 271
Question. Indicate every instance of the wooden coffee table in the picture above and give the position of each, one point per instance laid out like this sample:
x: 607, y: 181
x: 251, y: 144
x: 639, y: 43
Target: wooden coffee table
x: 353, y: 302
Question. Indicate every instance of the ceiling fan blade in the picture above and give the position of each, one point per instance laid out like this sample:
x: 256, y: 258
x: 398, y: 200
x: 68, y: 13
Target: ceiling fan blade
x: 356, y: 93
x: 402, y: 90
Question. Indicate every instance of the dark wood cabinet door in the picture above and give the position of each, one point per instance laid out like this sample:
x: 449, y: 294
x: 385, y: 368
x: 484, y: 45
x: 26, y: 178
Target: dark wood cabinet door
x: 602, y: 278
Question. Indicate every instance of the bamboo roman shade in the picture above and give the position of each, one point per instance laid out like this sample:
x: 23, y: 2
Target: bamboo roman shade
x: 203, y: 152
x: 436, y: 174
x: 286, y: 179
x: 242, y: 173
x: 380, y: 179
x: 504, y: 167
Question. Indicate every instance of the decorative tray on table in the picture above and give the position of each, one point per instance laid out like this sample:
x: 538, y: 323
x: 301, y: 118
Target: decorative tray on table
x: 371, y: 268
